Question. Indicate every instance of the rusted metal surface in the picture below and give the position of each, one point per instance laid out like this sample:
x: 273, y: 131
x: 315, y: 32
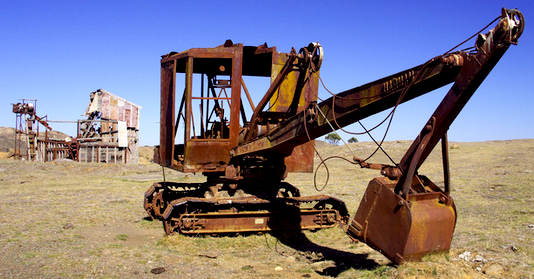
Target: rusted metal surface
x: 475, y: 68
x: 202, y: 152
x: 260, y: 221
x: 155, y: 203
x: 191, y: 208
x: 301, y: 158
x: 352, y: 105
x: 203, y: 149
x: 110, y: 134
x: 358, y: 103
x: 403, y: 215
x: 253, y: 214
x: 404, y: 229
x: 28, y: 145
x: 421, y: 215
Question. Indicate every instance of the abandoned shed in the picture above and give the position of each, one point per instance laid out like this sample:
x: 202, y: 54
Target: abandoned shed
x: 110, y: 133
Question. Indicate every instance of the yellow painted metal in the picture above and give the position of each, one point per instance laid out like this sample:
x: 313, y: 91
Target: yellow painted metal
x: 301, y: 159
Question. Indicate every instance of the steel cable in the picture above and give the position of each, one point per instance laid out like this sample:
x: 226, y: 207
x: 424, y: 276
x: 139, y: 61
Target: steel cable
x: 368, y: 131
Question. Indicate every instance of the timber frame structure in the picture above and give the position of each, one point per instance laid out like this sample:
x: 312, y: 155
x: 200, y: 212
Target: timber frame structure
x: 110, y: 134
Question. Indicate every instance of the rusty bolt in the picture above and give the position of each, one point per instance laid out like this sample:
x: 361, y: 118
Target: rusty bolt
x: 187, y: 223
x: 330, y: 219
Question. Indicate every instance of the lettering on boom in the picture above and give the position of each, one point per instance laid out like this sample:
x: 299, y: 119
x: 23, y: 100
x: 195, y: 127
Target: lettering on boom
x: 397, y: 83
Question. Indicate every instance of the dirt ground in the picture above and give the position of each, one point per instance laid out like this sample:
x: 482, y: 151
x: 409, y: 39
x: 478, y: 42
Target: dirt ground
x: 72, y: 220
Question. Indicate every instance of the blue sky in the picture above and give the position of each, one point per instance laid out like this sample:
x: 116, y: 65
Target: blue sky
x: 59, y: 51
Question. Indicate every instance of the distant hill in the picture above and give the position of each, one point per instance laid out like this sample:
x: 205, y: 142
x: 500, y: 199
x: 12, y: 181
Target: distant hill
x: 321, y: 143
x: 7, y: 137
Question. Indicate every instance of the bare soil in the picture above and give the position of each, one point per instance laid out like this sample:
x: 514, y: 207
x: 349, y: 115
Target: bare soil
x: 73, y: 220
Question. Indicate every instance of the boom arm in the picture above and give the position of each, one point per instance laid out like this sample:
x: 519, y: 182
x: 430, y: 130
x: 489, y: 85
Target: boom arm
x: 352, y: 105
x: 490, y: 48
x: 467, y: 70
x: 403, y: 215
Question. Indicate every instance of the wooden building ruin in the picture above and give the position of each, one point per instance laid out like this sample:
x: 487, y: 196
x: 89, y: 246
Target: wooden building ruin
x: 110, y: 134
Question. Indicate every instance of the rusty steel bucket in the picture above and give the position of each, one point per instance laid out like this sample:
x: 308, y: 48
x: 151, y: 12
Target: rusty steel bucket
x: 404, y: 229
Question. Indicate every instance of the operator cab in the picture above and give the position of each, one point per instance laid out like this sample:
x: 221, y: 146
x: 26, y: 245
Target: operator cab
x: 203, y: 100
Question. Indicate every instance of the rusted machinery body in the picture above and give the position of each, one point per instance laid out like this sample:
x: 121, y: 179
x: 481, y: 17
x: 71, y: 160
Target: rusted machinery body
x: 27, y: 140
x: 209, y: 148
x: 402, y: 214
x: 244, y: 195
x: 192, y: 211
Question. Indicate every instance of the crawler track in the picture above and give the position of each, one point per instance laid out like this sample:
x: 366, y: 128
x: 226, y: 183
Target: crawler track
x: 184, y: 208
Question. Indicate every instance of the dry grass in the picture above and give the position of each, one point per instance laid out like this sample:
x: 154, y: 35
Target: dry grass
x: 72, y: 220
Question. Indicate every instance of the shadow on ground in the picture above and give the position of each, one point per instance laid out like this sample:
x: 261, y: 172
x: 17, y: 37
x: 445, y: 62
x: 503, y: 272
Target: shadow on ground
x: 343, y: 260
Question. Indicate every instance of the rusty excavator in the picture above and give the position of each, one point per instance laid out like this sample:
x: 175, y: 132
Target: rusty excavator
x: 403, y: 214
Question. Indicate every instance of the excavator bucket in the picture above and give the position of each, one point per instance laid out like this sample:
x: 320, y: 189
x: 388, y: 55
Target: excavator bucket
x: 404, y: 229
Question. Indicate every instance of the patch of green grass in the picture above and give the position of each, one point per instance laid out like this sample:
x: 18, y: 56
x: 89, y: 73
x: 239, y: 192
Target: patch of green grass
x: 384, y: 271
x: 142, y: 261
x: 122, y: 237
x: 436, y: 257
x: 305, y: 270
x: 490, y: 199
x: 379, y: 272
x: 65, y: 240
x: 149, y: 224
x: 28, y: 255
x: 54, y: 255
